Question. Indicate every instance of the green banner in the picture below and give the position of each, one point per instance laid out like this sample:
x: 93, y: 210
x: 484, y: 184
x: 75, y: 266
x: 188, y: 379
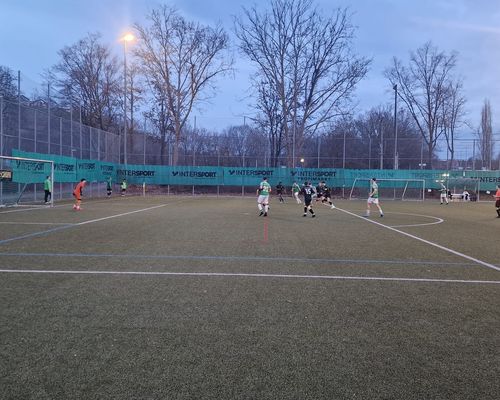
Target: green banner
x: 64, y: 168
x: 69, y: 169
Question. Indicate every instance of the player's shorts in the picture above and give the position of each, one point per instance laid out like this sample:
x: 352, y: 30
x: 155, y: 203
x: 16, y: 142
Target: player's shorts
x: 296, y: 194
x: 263, y: 199
x: 497, y: 203
x: 444, y: 195
x: 372, y: 200
x: 308, y: 201
x: 77, y: 196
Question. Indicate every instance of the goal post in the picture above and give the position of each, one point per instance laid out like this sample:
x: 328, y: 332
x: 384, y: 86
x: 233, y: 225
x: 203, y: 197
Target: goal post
x: 22, y: 181
x: 390, y: 189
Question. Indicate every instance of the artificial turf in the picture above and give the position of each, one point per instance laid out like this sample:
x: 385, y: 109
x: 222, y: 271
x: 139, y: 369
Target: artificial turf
x: 269, y: 334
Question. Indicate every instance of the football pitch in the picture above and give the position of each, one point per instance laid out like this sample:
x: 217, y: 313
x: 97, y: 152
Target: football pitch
x: 200, y: 298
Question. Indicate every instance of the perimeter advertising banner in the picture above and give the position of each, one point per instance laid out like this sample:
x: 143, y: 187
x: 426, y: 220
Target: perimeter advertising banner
x: 69, y: 169
x: 32, y: 172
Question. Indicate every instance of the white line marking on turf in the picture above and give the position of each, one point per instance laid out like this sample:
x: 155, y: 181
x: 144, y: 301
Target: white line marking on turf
x: 247, y: 275
x: 457, y: 253
x: 119, y: 215
x: 59, y: 228
x: 428, y: 263
x: 438, y: 220
x: 68, y: 204
x: 36, y: 223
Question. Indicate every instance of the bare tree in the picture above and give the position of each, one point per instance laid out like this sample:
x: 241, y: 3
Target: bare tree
x: 486, y: 135
x: 452, y: 111
x: 306, y: 59
x: 88, y: 75
x: 8, y: 87
x: 160, y: 118
x: 270, y: 120
x: 424, y: 88
x: 183, y: 58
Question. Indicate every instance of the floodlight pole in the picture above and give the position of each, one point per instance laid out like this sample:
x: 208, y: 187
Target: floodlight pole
x: 125, y: 101
x: 395, y: 87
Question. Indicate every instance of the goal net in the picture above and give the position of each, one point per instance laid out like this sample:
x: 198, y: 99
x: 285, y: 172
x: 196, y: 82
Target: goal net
x: 462, y: 188
x: 390, y: 189
x: 22, y: 181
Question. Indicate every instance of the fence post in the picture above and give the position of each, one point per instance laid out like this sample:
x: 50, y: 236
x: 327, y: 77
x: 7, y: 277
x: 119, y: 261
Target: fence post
x: 343, y: 154
x: 19, y: 110
x: 81, y: 140
x: 218, y: 166
x: 1, y: 144
x: 1, y: 126
x: 60, y: 153
x: 473, y: 154
x: 48, y: 114
x: 71, y: 129
x: 319, y: 148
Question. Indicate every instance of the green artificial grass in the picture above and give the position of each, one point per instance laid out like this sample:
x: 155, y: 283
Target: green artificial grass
x: 263, y: 335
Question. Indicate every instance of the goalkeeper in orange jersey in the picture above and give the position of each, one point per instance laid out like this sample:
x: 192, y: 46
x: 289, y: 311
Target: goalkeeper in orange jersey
x: 78, y: 193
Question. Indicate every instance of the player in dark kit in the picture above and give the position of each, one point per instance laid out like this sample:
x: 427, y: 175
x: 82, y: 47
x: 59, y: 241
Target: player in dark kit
x: 326, y: 196
x: 319, y: 191
x: 308, y: 191
x: 280, y: 190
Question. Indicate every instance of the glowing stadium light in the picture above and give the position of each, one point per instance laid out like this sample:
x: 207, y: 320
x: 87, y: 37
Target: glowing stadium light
x: 128, y: 37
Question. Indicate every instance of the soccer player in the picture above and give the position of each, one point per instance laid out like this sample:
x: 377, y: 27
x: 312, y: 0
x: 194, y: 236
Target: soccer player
x: 444, y: 194
x: 373, y: 198
x: 47, y: 187
x: 296, y: 191
x: 497, y: 201
x: 263, y: 200
x: 78, y: 193
x: 280, y: 189
x: 124, y: 187
x: 109, y: 186
x: 319, y: 191
x: 308, y: 191
x: 326, y: 197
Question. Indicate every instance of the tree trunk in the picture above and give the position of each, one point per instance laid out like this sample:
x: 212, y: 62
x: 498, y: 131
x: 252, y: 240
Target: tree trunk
x: 429, y: 156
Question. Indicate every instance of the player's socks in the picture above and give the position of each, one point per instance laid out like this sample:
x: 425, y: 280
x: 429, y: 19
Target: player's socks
x: 265, y: 214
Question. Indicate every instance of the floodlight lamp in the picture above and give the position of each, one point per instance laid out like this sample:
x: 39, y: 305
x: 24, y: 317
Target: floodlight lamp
x: 129, y: 37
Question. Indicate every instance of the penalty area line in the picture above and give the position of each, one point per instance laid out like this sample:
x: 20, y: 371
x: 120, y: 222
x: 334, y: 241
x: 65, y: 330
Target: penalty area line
x: 447, y: 249
x: 248, y: 275
x: 59, y: 228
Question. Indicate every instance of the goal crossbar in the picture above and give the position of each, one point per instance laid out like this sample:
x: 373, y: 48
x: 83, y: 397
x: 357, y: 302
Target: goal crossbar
x: 15, y: 191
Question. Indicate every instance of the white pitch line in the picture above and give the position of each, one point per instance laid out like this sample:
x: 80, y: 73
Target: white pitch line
x: 438, y: 220
x: 447, y: 249
x: 42, y: 233
x: 247, y: 275
x: 119, y: 215
x: 36, y: 223
x: 43, y: 207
